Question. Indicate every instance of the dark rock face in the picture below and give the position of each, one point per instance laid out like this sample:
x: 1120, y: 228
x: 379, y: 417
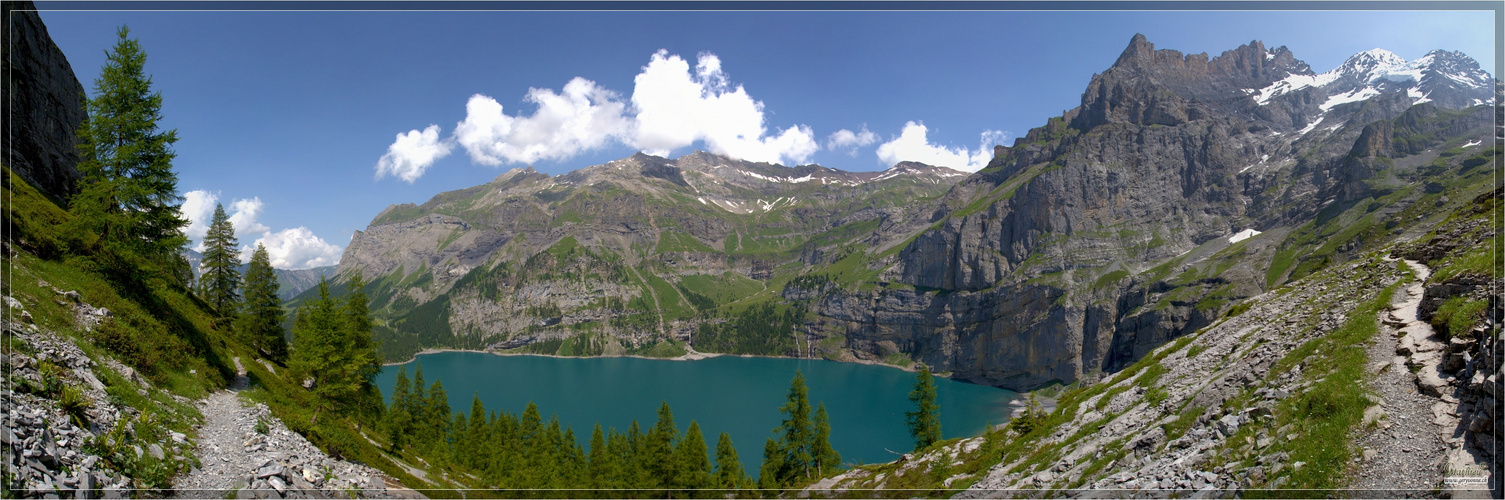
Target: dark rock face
x: 44, y: 104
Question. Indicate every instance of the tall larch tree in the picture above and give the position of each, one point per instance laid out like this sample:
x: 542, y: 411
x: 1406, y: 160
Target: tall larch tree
x: 826, y: 457
x: 262, y: 313
x: 129, y: 196
x: 397, y: 420
x: 796, y: 433
x: 221, y: 279
x: 326, y: 354
x: 693, y: 467
x: 729, y: 471
x: 658, y: 448
x: 925, y: 420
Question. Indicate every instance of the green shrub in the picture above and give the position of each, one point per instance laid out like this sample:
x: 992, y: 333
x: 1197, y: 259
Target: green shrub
x: 1239, y: 308
x: 74, y: 403
x: 1155, y: 395
x: 1457, y: 315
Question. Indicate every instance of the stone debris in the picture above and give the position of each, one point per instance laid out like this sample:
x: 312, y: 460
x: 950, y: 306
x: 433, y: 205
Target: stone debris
x: 48, y: 453
x: 240, y: 461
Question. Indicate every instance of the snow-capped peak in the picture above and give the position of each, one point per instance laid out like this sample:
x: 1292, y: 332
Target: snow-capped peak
x: 1374, y: 71
x: 1374, y: 65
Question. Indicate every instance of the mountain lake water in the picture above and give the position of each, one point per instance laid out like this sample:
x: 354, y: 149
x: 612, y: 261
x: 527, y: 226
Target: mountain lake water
x: 736, y: 395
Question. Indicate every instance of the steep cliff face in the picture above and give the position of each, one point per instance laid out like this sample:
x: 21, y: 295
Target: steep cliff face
x: 44, y: 104
x: 1106, y: 232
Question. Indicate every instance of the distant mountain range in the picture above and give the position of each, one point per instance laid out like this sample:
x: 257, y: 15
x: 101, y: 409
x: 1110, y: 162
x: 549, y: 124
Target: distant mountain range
x: 1180, y: 185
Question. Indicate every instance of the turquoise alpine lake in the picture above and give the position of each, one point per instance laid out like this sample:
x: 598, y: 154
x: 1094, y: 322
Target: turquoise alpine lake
x: 736, y: 395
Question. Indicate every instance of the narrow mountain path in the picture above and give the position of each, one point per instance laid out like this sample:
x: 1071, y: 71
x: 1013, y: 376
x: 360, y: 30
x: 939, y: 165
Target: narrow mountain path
x: 244, y: 451
x: 1403, y: 451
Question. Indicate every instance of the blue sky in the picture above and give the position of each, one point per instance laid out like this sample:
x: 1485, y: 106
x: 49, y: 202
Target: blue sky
x: 288, y: 117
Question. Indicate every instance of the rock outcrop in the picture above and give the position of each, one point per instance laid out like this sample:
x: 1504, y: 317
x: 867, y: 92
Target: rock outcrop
x: 44, y: 104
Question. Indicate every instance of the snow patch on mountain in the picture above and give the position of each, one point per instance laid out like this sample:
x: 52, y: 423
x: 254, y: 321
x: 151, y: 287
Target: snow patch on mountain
x: 1312, y: 125
x: 1354, y: 96
x: 1291, y: 84
x: 782, y: 180
x: 1243, y: 235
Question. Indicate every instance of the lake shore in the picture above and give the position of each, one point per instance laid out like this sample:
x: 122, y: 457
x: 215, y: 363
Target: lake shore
x: 692, y: 355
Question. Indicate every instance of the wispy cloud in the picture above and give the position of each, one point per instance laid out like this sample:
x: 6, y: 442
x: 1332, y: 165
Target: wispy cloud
x: 912, y: 145
x: 412, y: 154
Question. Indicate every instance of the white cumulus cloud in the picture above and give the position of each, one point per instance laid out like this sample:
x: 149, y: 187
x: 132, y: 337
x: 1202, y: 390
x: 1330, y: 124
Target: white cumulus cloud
x: 675, y: 108
x: 295, y: 248
x: 672, y: 106
x: 912, y: 145
x: 243, y: 215
x: 584, y: 116
x: 198, y: 208
x: 412, y: 153
x: 850, y: 141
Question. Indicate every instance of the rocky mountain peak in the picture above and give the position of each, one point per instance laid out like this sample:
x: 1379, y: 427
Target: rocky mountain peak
x: 1139, y: 51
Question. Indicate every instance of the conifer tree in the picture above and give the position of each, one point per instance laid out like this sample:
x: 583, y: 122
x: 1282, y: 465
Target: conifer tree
x: 437, y: 425
x: 397, y: 420
x: 418, y: 400
x: 635, y: 467
x: 358, y: 324
x: 618, y: 468
x: 826, y: 457
x: 692, y: 467
x: 476, y: 452
x: 326, y: 355
x: 658, y: 452
x: 797, y: 437
x: 453, y: 441
x: 262, y: 313
x: 729, y: 471
x: 531, y: 426
x: 129, y: 196
x: 773, y: 463
x: 596, y: 464
x: 925, y: 420
x: 221, y: 258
